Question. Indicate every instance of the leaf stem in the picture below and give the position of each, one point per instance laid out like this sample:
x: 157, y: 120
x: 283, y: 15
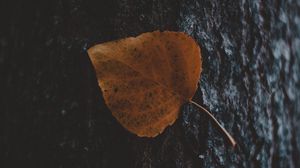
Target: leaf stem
x: 230, y: 138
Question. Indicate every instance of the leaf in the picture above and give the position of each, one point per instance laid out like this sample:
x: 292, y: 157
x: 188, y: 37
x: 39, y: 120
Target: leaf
x: 146, y: 79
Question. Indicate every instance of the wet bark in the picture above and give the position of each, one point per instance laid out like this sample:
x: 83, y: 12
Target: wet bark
x: 53, y: 113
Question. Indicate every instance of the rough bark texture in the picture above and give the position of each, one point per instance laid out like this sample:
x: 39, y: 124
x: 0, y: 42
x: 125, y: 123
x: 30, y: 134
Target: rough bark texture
x: 53, y: 113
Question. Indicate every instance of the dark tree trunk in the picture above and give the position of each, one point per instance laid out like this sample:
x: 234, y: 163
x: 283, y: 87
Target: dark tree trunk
x: 53, y: 113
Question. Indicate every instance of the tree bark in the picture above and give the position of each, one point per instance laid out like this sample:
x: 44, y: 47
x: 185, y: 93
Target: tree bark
x: 54, y: 115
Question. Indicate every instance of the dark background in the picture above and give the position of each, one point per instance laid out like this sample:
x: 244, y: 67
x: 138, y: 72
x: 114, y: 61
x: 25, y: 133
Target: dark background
x: 53, y: 113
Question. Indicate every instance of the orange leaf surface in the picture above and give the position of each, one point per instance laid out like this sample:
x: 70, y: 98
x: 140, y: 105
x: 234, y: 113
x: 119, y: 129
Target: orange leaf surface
x: 146, y: 79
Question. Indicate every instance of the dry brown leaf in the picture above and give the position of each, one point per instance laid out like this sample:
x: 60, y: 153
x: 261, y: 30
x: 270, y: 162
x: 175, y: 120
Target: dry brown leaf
x: 146, y: 79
